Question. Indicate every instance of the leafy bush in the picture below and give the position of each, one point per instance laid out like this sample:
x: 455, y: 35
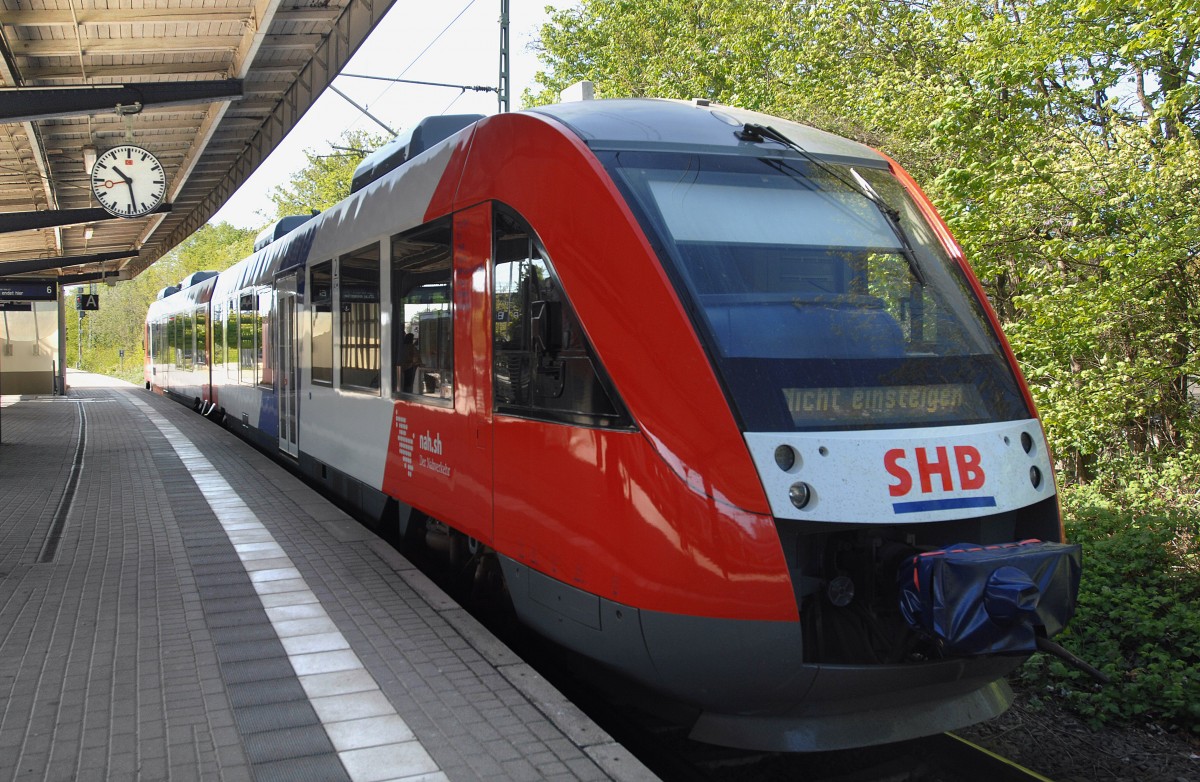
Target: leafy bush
x: 1138, y: 618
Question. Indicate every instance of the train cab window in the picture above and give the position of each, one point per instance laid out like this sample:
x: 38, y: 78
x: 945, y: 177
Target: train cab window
x: 358, y: 324
x: 543, y: 364
x: 201, y: 338
x: 422, y: 266
x: 322, y: 323
x: 263, y: 334
x: 248, y: 324
x: 823, y: 294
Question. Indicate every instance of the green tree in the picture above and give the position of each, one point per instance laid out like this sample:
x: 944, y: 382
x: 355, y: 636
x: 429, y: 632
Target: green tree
x: 325, y: 178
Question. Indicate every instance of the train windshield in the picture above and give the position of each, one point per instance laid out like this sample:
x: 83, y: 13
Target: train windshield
x: 826, y: 299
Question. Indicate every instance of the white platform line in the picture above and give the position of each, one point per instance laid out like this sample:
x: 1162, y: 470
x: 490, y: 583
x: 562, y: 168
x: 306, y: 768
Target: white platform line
x: 372, y: 741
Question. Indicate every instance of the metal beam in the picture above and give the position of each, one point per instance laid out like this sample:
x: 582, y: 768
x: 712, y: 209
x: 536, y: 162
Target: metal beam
x: 69, y: 47
x: 101, y: 16
x: 105, y: 71
x: 42, y: 264
x: 11, y: 222
x: 75, y: 279
x: 16, y: 102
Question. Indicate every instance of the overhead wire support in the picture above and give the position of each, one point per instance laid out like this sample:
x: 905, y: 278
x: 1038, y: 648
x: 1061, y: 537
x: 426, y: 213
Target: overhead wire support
x: 505, y: 72
x: 363, y: 109
x: 464, y: 87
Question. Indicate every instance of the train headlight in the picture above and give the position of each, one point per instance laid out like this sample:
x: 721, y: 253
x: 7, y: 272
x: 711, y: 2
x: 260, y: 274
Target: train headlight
x: 800, y: 494
x: 1035, y: 477
x: 785, y: 457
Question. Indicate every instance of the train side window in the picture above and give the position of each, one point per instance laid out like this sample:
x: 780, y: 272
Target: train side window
x: 169, y: 357
x: 201, y: 337
x: 422, y: 267
x: 231, y: 340
x: 178, y: 341
x: 248, y: 323
x: 263, y: 335
x: 189, y: 339
x: 322, y: 323
x: 543, y: 364
x: 358, y: 327
x: 218, y: 335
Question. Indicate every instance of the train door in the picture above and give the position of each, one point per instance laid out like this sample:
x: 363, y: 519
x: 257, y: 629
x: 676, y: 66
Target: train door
x: 286, y: 379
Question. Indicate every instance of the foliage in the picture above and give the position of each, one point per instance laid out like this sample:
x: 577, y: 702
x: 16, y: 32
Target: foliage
x: 1138, y: 620
x: 325, y: 178
x: 118, y: 325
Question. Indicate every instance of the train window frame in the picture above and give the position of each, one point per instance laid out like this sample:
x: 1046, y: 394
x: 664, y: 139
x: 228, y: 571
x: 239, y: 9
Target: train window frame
x: 177, y: 327
x: 321, y: 304
x: 231, y: 341
x: 552, y: 345
x: 422, y: 266
x: 264, y: 334
x: 358, y: 319
x: 200, y: 321
x: 247, y: 311
x: 217, y: 328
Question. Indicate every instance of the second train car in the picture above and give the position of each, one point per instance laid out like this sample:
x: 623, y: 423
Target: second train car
x: 716, y: 392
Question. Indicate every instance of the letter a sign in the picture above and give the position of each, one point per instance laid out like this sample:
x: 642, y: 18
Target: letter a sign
x: 87, y: 301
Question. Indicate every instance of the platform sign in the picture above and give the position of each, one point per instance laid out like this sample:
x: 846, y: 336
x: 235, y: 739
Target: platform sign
x: 28, y: 290
x: 16, y: 306
x: 87, y: 301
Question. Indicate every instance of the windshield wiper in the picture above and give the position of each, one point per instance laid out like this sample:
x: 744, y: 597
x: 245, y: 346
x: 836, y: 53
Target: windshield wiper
x: 754, y: 132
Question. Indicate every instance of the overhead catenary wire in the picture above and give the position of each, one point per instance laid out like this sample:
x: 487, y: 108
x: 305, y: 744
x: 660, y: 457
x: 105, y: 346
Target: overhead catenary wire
x: 399, y: 77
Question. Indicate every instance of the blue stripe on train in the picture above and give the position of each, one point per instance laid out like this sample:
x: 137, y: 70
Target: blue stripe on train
x: 948, y: 504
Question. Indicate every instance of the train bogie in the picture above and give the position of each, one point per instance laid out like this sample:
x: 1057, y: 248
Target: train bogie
x: 701, y: 389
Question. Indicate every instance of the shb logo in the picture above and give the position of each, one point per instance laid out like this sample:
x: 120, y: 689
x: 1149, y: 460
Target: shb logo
x: 404, y: 442
x: 940, y: 466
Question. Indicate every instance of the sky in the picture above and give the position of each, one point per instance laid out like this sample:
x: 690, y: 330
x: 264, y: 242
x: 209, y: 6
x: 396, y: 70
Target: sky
x: 467, y: 53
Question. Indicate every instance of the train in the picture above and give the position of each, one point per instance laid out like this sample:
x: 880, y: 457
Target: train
x: 712, y: 395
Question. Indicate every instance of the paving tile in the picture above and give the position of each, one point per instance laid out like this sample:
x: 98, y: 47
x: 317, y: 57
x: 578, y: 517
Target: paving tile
x: 368, y: 732
x: 325, y: 768
x: 374, y: 764
x: 274, y: 745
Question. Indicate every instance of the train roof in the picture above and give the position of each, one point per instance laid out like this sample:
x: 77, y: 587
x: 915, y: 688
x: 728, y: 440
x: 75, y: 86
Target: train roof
x: 408, y: 144
x: 644, y: 123
x: 281, y: 228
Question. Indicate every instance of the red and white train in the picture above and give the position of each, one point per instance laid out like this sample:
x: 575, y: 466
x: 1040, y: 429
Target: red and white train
x: 716, y: 390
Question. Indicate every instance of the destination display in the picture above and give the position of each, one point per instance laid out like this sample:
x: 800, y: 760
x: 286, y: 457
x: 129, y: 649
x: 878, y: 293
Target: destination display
x: 896, y: 404
x: 28, y: 290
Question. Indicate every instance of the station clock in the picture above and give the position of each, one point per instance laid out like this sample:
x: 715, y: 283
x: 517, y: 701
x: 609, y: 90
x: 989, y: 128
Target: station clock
x: 128, y: 181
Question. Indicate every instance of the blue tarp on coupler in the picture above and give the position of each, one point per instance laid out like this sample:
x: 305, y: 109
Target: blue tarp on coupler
x: 977, y: 599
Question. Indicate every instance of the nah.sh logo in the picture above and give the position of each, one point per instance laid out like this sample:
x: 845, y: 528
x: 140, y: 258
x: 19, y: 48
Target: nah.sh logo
x: 937, y: 471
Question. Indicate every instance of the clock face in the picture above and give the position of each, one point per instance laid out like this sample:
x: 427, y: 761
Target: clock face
x: 128, y: 181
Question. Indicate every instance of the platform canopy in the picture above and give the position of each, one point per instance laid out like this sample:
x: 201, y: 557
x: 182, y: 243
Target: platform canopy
x: 208, y: 86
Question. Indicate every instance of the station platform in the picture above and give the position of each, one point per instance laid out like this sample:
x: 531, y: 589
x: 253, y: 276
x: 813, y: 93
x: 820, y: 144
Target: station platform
x: 174, y: 606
